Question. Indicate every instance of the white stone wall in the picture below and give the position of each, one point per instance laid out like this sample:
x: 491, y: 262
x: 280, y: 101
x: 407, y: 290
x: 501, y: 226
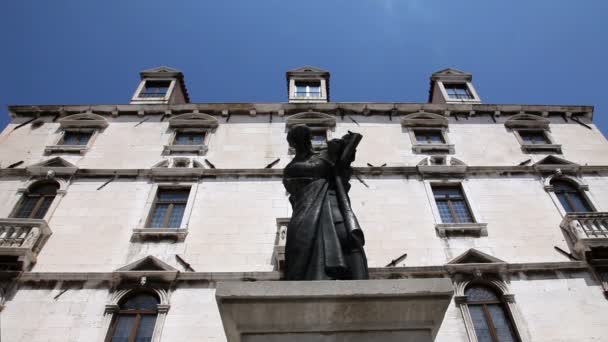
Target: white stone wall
x: 555, y: 308
x: 253, y: 142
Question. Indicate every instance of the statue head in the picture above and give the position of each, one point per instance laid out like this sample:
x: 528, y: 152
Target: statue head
x: 299, y: 137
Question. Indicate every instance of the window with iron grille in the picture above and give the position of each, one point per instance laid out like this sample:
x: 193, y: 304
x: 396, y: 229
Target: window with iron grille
x: 76, y: 138
x: 458, y: 91
x: 37, y: 201
x: 155, y: 89
x: 570, y: 197
x: 452, y: 204
x: 135, y: 319
x: 189, y: 138
x: 488, y: 312
x: 169, y: 207
x: 308, y: 89
x: 429, y: 136
x: 536, y: 137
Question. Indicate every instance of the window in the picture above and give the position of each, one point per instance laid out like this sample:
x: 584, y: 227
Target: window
x: 490, y: 319
x: 36, y: 201
x: 429, y: 137
x: 79, y: 138
x: 308, y: 89
x: 458, y: 91
x: 155, y: 89
x: 571, y: 199
x: 169, y: 207
x: 135, y: 319
x: 452, y: 204
x: 318, y: 137
x: 534, y: 137
x: 189, y: 138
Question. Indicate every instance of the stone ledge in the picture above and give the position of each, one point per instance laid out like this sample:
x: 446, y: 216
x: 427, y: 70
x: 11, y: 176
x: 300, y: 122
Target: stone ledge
x: 461, y: 229
x: 361, y: 309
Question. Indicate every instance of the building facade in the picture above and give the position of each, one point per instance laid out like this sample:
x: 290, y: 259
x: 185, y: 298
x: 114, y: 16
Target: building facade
x: 120, y: 220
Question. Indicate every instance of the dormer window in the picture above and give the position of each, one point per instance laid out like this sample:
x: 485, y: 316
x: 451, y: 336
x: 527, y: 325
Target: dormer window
x: 155, y: 89
x: 161, y: 85
x: 308, y: 89
x: 308, y: 84
x: 458, y: 91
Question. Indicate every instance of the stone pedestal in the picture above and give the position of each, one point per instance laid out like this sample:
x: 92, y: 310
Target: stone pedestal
x: 331, y: 311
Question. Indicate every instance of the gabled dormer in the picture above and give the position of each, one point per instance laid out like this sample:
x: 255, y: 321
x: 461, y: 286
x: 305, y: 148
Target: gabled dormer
x: 161, y: 85
x: 452, y: 86
x: 308, y: 84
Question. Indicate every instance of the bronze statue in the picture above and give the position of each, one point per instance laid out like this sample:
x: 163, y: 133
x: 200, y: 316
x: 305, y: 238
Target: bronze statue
x: 324, y: 239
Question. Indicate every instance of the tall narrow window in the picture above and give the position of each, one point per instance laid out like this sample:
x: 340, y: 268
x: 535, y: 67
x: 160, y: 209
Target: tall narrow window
x: 490, y: 318
x: 36, y: 201
x: 169, y: 207
x: 155, y: 89
x: 458, y: 91
x: 135, y: 319
x: 570, y: 197
x: 452, y: 204
x: 75, y: 138
x: 308, y: 89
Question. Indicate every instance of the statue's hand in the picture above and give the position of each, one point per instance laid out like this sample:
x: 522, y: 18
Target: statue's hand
x: 357, y: 238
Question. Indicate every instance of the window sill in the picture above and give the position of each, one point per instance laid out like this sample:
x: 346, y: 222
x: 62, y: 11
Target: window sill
x: 65, y: 149
x: 542, y: 148
x: 461, y: 229
x: 433, y: 148
x: 155, y: 234
x: 196, y: 149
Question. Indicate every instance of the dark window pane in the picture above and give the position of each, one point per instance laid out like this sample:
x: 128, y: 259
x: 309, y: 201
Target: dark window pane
x: 189, y: 138
x: 570, y: 197
x: 482, y: 330
x: 501, y: 323
x: 534, y: 137
x: 462, y: 211
x: 429, y: 137
x: 158, y: 216
x: 142, y: 301
x: 444, y: 212
x: 480, y: 293
x: 176, y: 215
x: 27, y: 205
x: 579, y: 203
x: 155, y: 89
x: 76, y: 138
x: 561, y: 186
x: 458, y: 91
x: 173, y: 195
x: 44, y: 207
x: 447, y: 191
x: 124, y: 325
x: 146, y: 328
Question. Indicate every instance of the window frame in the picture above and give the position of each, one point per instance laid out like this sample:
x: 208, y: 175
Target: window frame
x: 142, y: 84
x: 121, y: 295
x: 548, y: 148
x: 200, y: 149
x: 308, y: 89
x: 25, y: 192
x: 170, y: 206
x: 471, y: 90
x: 143, y: 231
x: 477, y: 228
x: 500, y: 288
x: 450, y: 204
x: 578, y: 184
x: 136, y: 324
x: 419, y: 148
x: 60, y: 147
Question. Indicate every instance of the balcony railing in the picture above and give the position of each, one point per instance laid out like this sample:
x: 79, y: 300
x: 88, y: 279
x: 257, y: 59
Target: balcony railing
x: 21, y: 240
x: 588, y: 231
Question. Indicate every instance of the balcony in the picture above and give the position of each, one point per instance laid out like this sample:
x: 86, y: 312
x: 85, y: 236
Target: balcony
x: 588, y: 233
x: 20, y: 242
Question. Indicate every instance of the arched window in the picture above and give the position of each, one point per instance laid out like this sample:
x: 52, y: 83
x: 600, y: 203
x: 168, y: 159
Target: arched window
x: 37, y: 200
x: 570, y: 197
x: 490, y: 319
x: 135, y: 319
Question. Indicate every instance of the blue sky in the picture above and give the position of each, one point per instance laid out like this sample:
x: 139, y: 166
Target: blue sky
x: 87, y: 52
